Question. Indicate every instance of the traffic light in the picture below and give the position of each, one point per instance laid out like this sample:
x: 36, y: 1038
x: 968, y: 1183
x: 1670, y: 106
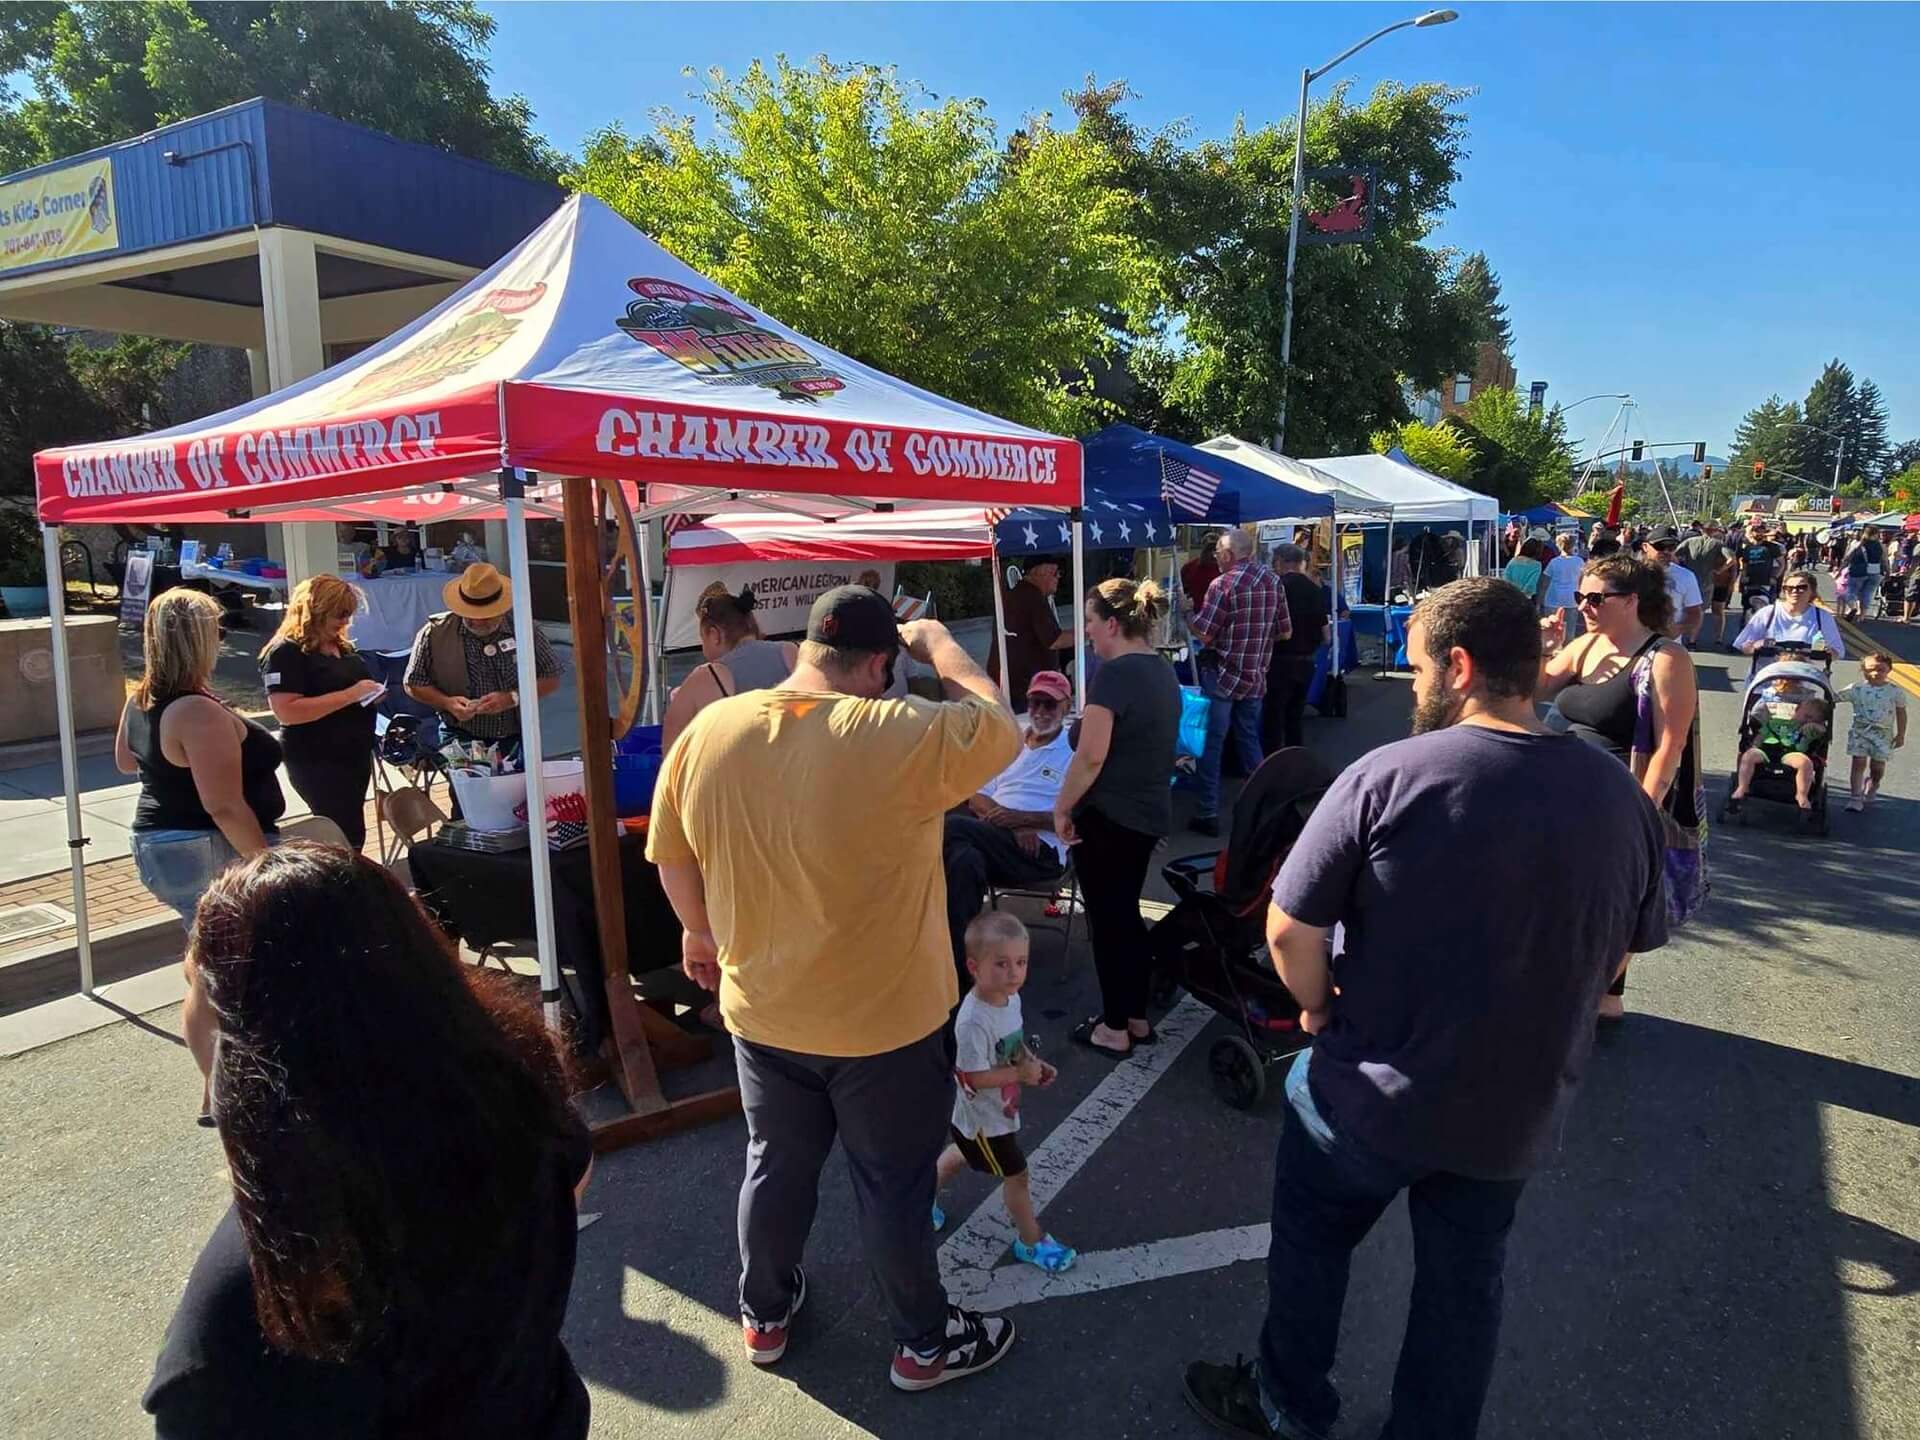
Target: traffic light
x: 1706, y: 472
x: 1699, y: 452
x: 1639, y: 449
x: 1759, y: 468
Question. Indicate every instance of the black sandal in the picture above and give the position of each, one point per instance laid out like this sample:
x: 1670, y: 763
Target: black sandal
x: 1082, y: 1034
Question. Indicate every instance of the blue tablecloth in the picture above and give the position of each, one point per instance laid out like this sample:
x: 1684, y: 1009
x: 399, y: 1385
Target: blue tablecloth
x: 1349, y: 660
x: 1390, y: 623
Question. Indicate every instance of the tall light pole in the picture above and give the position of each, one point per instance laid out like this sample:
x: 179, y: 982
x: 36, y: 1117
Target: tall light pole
x: 1839, y: 459
x: 1307, y: 77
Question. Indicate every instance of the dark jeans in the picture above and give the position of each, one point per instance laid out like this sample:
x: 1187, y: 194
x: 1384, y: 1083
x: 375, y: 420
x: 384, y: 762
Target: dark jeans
x: 977, y: 855
x: 336, y: 788
x: 1282, y: 723
x: 890, y: 1112
x: 1328, y: 1191
x: 1111, y: 863
x: 1241, y: 719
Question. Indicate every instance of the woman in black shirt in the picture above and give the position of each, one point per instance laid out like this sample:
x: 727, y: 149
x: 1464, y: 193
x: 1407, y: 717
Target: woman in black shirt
x: 406, y: 1169
x: 323, y: 697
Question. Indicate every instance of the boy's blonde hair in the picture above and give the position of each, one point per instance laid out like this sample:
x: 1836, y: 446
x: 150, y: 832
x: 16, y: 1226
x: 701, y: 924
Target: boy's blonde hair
x: 991, y: 928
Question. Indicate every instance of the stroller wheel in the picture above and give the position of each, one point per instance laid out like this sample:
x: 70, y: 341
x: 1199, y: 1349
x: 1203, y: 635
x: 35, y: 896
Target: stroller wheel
x: 1239, y: 1075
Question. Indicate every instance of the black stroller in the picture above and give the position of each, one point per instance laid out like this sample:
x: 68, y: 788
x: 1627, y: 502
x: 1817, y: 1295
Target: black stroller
x: 1786, y: 676
x: 1213, y: 943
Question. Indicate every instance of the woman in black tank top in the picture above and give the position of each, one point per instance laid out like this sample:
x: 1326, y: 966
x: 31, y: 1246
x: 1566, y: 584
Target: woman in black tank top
x: 209, y: 783
x: 1597, y: 684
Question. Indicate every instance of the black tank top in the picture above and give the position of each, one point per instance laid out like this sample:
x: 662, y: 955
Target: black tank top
x: 169, y: 799
x: 1605, y: 714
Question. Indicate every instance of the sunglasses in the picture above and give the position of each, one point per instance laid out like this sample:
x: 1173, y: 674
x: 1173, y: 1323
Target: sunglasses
x: 1595, y: 597
x: 1043, y: 702
x: 1790, y: 589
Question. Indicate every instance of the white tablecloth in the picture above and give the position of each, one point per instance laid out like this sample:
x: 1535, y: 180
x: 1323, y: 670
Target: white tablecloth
x: 213, y: 574
x: 397, y: 606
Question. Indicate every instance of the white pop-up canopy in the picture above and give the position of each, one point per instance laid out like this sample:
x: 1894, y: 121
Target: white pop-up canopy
x: 1416, y: 496
x: 587, y: 351
x: 1348, y: 498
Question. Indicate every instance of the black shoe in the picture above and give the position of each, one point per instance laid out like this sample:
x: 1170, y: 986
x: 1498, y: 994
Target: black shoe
x: 1227, y: 1397
x: 1205, y: 825
x: 975, y: 1342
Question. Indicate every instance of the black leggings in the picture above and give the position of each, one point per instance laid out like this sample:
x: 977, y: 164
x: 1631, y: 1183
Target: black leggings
x: 1111, y: 863
x: 336, y: 789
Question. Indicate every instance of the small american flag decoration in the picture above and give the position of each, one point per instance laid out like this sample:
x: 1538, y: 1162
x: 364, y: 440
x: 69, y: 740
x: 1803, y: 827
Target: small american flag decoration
x: 1186, y: 487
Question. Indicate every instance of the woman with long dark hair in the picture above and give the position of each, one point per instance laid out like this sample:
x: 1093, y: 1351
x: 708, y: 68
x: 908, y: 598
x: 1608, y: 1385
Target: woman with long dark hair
x: 1113, y: 806
x: 1628, y: 689
x: 405, y: 1168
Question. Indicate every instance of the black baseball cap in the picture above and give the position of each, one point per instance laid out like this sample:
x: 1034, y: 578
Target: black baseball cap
x: 852, y: 617
x: 1664, y: 535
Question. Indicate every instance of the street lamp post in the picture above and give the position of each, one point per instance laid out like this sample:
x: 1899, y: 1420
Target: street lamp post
x: 1839, y: 458
x: 1307, y: 77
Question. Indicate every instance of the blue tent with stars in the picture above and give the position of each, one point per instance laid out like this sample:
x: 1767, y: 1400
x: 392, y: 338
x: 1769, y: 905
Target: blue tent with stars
x: 1122, y: 465
x: 1108, y: 525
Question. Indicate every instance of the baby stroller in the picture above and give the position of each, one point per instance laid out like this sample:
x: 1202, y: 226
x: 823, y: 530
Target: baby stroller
x: 1893, y: 594
x: 1786, y: 677
x: 1213, y: 943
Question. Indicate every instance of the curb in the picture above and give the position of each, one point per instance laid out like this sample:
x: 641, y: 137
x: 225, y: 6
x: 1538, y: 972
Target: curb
x: 51, y: 971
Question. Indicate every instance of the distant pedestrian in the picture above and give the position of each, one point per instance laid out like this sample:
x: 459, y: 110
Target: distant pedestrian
x: 1290, y: 673
x: 1563, y: 583
x: 1418, y: 1081
x: 1526, y: 569
x: 1243, y: 616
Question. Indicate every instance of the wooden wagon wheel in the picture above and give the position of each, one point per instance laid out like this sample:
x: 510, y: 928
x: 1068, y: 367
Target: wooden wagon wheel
x: 626, y: 628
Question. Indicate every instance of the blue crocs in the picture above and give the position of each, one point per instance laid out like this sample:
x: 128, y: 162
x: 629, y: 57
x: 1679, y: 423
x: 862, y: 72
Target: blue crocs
x: 1050, y: 1255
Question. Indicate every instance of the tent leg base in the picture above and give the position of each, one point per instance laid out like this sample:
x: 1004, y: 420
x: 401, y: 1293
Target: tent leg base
x: 676, y: 1117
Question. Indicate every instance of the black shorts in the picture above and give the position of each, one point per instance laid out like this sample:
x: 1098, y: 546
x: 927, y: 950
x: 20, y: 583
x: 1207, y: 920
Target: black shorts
x: 1722, y: 594
x: 997, y: 1155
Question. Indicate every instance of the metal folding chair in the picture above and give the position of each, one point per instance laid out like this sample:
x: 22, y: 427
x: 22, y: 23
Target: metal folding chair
x: 1067, y: 887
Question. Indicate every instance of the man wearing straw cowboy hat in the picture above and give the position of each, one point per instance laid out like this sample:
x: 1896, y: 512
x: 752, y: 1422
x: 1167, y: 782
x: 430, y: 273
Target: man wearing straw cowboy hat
x: 465, y: 661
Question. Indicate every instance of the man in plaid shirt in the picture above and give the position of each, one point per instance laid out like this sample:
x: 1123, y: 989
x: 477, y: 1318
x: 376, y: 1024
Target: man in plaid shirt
x: 1244, y: 613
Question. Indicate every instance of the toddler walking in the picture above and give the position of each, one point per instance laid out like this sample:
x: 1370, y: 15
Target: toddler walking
x: 993, y: 1062
x: 1879, y: 726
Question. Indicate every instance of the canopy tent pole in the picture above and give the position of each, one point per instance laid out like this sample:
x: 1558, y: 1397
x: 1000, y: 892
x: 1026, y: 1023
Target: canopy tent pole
x: 513, y: 492
x: 1333, y: 644
x: 1000, y: 624
x: 657, y: 643
x: 69, y: 750
x: 645, y: 601
x: 1080, y: 610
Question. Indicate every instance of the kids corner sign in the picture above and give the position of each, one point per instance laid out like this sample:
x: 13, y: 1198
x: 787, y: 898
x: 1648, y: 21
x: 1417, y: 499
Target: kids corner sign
x: 58, y: 215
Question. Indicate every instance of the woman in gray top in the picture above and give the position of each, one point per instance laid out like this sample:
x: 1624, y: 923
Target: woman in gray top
x: 737, y: 659
x: 1113, y: 807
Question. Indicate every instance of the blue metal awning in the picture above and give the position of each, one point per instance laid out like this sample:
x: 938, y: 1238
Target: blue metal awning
x: 1128, y: 465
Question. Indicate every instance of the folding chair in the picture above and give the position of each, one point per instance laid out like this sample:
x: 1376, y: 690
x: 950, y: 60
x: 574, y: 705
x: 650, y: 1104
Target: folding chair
x: 1052, y: 891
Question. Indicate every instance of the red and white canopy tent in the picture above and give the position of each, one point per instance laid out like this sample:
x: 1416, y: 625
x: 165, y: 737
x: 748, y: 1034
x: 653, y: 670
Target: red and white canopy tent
x: 587, y: 351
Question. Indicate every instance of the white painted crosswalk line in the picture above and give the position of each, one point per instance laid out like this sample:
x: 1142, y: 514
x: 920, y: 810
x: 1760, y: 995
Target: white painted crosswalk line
x: 970, y: 1253
x: 1132, y: 1265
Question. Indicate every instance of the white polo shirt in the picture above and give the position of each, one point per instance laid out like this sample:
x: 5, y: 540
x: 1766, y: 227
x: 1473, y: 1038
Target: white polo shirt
x: 1033, y: 781
x: 1683, y: 588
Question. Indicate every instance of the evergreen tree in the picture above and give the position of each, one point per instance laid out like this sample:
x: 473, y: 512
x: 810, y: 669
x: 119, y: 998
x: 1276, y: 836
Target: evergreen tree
x: 1766, y: 435
x: 1902, y: 457
x: 1480, y: 287
x: 1831, y: 410
x: 1868, y: 449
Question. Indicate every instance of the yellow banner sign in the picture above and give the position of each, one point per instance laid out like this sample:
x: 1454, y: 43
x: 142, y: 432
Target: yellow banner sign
x: 58, y: 215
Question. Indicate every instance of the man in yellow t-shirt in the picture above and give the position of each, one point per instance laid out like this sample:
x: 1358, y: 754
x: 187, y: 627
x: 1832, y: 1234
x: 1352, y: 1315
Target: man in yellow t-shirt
x: 831, y: 957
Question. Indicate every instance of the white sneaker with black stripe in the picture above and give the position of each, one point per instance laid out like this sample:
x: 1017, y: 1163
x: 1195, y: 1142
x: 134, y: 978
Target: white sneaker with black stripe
x: 974, y: 1343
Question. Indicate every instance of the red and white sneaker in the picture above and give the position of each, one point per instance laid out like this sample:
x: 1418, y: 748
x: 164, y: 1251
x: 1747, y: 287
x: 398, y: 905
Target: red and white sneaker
x: 767, y: 1339
x: 974, y: 1342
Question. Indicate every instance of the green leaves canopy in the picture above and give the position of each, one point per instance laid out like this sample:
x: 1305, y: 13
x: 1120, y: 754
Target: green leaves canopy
x: 894, y: 227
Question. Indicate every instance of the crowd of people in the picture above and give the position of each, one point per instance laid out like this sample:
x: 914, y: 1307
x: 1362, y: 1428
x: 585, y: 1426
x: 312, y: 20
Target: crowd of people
x: 378, y: 1241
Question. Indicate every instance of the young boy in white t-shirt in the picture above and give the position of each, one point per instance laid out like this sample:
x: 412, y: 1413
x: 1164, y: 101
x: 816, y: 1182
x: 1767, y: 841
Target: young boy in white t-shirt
x: 992, y: 1062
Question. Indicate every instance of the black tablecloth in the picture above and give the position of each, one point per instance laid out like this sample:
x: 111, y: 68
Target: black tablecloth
x: 488, y: 899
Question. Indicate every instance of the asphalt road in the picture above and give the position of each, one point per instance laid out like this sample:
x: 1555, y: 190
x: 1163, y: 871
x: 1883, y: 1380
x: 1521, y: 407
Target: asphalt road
x: 1723, y: 1245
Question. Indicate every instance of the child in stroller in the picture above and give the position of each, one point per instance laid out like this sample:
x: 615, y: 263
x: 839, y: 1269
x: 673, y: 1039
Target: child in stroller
x: 1784, y: 734
x: 1213, y: 942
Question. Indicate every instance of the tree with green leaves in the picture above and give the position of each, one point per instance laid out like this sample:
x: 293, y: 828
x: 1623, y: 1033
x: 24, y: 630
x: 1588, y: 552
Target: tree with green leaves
x: 1868, y: 452
x: 1521, y: 459
x: 1830, y: 410
x: 1440, y: 449
x: 100, y: 72
x: 1214, y: 219
x: 1767, y: 435
x: 55, y: 390
x: 1480, y: 287
x: 1902, y: 457
x: 897, y: 228
x: 1595, y: 503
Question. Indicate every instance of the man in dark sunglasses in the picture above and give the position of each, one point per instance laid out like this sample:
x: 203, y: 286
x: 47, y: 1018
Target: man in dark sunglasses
x: 1683, y: 586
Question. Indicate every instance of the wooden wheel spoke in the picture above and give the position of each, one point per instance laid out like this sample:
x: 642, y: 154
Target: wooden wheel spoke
x: 626, y: 633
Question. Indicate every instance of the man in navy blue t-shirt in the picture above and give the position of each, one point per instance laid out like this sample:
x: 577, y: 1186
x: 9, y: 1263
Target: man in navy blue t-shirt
x: 1471, y: 968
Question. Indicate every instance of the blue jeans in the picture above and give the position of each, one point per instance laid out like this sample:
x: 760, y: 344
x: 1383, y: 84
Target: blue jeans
x: 177, y: 866
x: 1327, y: 1193
x: 1242, y: 717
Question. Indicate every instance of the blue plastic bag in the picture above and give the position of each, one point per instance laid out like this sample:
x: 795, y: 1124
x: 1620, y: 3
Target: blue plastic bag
x: 1195, y: 706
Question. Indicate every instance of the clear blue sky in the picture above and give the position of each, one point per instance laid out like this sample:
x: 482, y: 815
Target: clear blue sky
x: 1699, y: 204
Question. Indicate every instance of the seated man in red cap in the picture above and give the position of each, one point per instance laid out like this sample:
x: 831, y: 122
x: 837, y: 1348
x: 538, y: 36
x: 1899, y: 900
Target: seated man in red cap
x: 1004, y: 836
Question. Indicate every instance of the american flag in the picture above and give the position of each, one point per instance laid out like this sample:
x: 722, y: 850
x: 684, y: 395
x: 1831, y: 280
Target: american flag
x: 994, y: 517
x: 680, y: 520
x: 1185, y: 488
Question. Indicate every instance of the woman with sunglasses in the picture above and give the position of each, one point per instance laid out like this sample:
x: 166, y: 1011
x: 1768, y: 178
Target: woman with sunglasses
x: 1793, y: 618
x: 1627, y: 688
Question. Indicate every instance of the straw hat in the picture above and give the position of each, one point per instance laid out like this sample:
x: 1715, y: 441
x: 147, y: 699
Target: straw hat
x: 480, y: 593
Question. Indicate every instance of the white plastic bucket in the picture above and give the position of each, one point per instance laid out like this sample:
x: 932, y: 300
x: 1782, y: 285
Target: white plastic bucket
x: 564, y: 777
x: 488, y: 802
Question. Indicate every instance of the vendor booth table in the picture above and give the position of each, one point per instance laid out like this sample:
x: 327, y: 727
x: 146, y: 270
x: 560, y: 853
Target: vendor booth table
x: 608, y: 367
x: 486, y: 899
x: 397, y: 606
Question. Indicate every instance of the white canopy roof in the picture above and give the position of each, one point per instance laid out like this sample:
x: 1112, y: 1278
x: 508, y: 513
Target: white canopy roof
x: 1348, y: 498
x: 1417, y: 497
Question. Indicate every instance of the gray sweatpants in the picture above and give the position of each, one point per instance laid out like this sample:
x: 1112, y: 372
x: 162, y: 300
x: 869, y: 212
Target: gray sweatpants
x: 891, y: 1112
